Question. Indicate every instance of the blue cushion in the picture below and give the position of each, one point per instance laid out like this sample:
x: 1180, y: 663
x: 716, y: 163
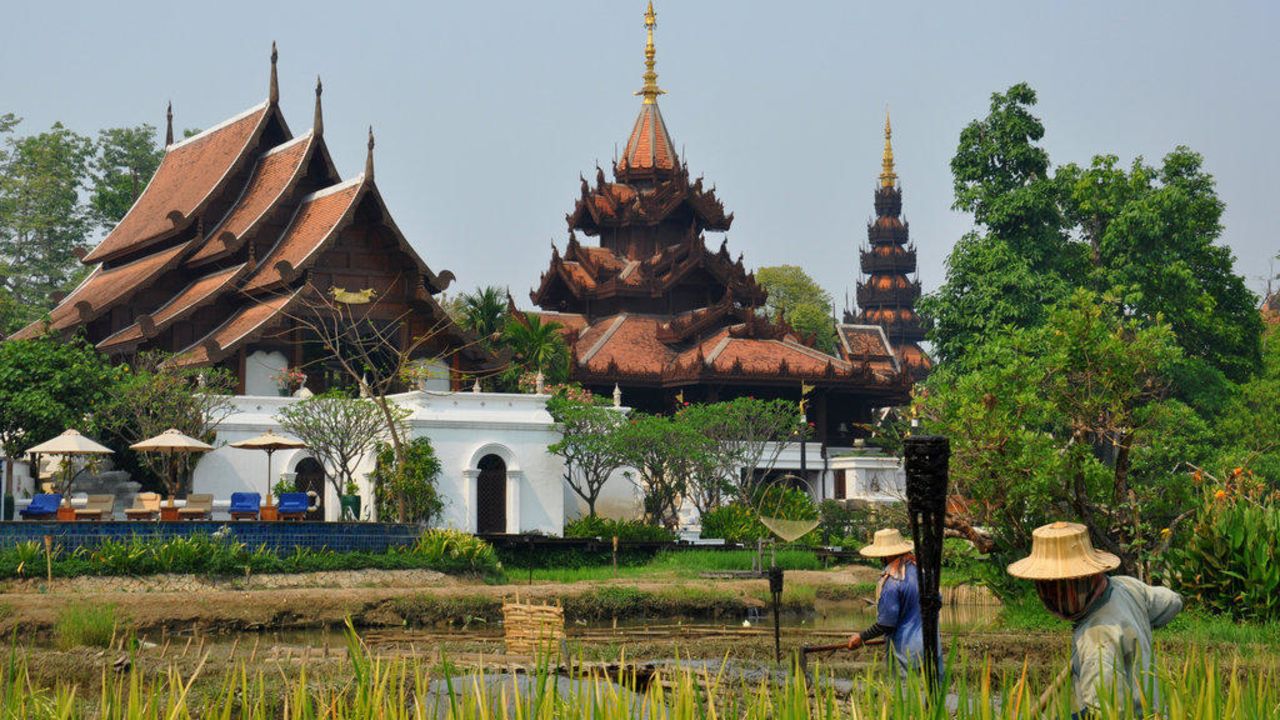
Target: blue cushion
x: 245, y: 502
x: 293, y: 502
x: 43, y: 504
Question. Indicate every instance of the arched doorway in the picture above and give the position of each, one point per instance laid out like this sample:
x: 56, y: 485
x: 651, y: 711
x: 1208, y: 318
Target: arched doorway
x: 310, y: 479
x: 491, y: 495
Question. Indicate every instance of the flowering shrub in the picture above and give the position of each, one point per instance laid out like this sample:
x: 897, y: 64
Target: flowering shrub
x: 290, y: 379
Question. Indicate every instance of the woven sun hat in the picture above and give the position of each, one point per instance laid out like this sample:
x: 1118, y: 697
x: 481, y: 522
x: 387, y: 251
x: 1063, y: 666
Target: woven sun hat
x: 887, y: 543
x: 1062, y: 551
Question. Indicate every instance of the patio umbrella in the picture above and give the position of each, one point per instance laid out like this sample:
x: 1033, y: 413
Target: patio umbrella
x: 70, y: 442
x: 270, y: 442
x: 171, y: 442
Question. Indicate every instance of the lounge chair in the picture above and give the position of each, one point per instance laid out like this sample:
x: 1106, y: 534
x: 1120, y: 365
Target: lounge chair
x: 245, y: 506
x: 43, y: 507
x: 293, y: 506
x: 199, y: 507
x: 97, y: 508
x: 146, y: 506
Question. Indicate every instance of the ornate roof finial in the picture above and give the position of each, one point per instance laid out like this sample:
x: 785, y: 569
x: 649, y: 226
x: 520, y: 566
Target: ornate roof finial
x: 317, y: 123
x: 887, y: 176
x: 273, y: 91
x: 168, y: 125
x: 368, y: 159
x: 650, y: 91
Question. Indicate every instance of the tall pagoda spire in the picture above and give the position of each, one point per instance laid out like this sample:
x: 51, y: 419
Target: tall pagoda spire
x: 317, y: 120
x: 650, y: 91
x: 273, y: 88
x: 887, y: 176
x: 168, y: 125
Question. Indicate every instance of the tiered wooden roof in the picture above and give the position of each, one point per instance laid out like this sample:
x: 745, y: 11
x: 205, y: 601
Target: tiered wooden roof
x: 652, y: 307
x: 236, y: 221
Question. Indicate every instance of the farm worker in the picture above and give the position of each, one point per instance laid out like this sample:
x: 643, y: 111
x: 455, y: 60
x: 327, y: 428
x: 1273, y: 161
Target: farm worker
x: 897, y: 602
x: 1114, y: 616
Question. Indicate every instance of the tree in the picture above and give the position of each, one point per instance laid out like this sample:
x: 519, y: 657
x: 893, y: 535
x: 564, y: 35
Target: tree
x: 1053, y: 421
x: 42, y: 220
x: 127, y: 158
x: 537, y: 347
x: 46, y: 386
x: 483, y: 312
x: 414, y: 482
x: 588, y: 445
x: 152, y: 396
x: 339, y: 430
x: 662, y: 451
x: 744, y: 438
x: 801, y: 301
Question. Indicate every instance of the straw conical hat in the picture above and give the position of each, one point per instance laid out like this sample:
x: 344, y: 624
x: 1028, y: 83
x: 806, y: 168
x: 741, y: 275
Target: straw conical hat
x: 70, y: 442
x: 173, y: 441
x: 887, y: 543
x: 1061, y: 551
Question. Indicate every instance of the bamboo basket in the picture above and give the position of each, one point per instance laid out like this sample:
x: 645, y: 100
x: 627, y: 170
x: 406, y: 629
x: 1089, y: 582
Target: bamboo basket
x: 532, y: 629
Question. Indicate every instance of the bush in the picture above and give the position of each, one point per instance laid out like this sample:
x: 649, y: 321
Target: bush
x: 454, y: 551
x: 852, y: 526
x: 625, y: 530
x: 735, y: 523
x: 85, y: 625
x: 422, y: 502
x: 1230, y: 560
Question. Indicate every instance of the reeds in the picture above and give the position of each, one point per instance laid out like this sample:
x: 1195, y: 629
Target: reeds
x: 1198, y: 687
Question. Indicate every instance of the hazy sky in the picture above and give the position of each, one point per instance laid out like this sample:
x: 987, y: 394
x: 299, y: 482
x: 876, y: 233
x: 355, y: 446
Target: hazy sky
x: 485, y: 113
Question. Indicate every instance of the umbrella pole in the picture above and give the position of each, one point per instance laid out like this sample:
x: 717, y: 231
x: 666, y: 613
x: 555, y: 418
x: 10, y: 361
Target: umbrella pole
x: 269, y: 500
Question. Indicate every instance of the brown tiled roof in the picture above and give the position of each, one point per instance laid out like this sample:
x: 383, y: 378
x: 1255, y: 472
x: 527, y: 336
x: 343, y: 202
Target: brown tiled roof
x: 188, y: 174
x: 104, y: 288
x: 190, y: 298
x: 243, y: 326
x: 859, y: 342
x: 274, y: 173
x: 628, y: 341
x: 650, y: 146
x: 315, y: 221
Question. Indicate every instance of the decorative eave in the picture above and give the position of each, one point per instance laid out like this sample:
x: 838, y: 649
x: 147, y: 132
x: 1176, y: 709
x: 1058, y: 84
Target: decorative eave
x: 246, y: 325
x: 181, y: 306
x: 611, y: 205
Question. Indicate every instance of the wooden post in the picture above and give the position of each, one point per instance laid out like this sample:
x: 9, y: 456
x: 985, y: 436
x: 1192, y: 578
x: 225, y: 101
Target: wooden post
x: 48, y: 557
x: 615, y: 556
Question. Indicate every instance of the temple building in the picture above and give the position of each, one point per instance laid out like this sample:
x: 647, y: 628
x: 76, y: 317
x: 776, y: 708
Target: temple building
x: 652, y: 311
x: 888, y: 297
x: 219, y: 251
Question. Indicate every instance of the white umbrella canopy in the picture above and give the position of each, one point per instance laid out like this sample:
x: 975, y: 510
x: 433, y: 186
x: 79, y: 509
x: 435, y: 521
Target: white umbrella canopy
x: 172, y: 440
x: 70, y: 442
x: 270, y: 442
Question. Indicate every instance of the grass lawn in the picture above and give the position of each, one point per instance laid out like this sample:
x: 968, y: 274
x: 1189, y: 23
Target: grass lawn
x: 678, y: 564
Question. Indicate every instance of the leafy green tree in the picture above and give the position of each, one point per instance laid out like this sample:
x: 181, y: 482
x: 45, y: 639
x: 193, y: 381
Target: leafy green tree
x: 411, y: 488
x: 46, y: 386
x: 662, y: 452
x: 1056, y: 419
x: 744, y: 438
x: 588, y: 445
x: 152, y: 396
x: 42, y: 220
x: 127, y: 158
x: 801, y: 301
x: 1248, y: 429
x: 483, y: 312
x: 339, y: 430
x: 537, y: 346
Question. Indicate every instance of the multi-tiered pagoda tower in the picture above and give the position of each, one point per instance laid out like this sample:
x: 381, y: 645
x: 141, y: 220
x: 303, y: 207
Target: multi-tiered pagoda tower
x: 888, y: 296
x: 654, y: 312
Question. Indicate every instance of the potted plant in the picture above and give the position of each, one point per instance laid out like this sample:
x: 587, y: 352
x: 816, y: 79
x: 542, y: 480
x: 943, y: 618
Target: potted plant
x: 288, y: 483
x: 349, y: 501
x: 289, y: 381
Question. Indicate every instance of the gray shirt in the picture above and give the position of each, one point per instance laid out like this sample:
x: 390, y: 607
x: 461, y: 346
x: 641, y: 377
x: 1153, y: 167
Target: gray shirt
x: 1111, y: 645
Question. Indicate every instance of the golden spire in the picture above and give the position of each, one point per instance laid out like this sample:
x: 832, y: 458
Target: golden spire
x: 650, y: 91
x: 887, y: 176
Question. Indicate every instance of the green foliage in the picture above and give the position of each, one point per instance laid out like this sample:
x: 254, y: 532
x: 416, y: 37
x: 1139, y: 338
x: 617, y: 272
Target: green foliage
x: 662, y: 451
x: 1230, y: 560
x: 457, y: 552
x: 745, y: 432
x: 42, y: 218
x: 415, y: 482
x: 483, y: 312
x: 588, y: 444
x: 126, y: 160
x: 338, y: 430
x: 801, y: 302
x: 48, y: 385
x: 85, y: 625
x: 852, y: 526
x: 735, y: 523
x: 535, y: 346
x: 594, y: 526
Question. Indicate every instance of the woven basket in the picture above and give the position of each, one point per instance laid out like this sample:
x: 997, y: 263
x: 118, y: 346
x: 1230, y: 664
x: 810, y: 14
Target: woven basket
x: 532, y: 629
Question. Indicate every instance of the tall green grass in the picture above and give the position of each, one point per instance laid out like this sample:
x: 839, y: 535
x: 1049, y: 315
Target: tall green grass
x: 83, y: 624
x: 1200, y: 687
x: 677, y: 563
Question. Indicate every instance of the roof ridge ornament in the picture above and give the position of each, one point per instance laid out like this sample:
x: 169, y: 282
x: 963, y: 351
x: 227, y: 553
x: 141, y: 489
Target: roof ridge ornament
x: 887, y: 176
x: 273, y: 89
x: 317, y: 122
x: 650, y: 91
x: 168, y: 125
x: 368, y: 159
